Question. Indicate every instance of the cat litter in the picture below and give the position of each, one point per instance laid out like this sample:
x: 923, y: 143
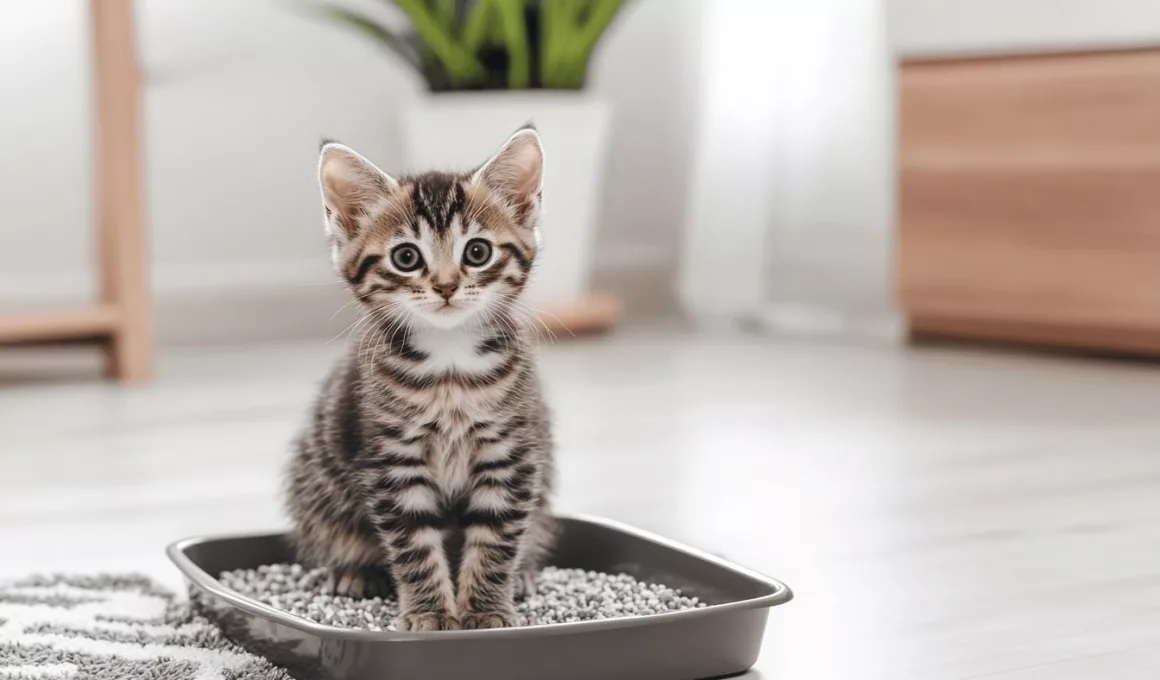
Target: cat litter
x: 561, y: 596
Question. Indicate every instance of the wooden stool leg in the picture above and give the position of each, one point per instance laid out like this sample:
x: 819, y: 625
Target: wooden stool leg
x: 122, y: 243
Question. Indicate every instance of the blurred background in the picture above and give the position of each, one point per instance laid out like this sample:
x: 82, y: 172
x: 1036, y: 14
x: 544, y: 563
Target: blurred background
x: 863, y: 294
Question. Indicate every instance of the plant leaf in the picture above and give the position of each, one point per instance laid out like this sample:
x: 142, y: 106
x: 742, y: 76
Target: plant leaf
x: 463, y: 69
x: 483, y: 26
x: 599, y: 17
x: 553, y: 34
x: 515, y: 31
x: 444, y: 13
x: 585, y: 23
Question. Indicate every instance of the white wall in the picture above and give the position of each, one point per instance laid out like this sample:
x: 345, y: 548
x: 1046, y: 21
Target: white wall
x: 45, y: 192
x: 237, y: 96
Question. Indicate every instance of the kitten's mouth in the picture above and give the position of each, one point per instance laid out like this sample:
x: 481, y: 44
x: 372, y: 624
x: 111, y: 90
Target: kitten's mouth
x: 447, y: 314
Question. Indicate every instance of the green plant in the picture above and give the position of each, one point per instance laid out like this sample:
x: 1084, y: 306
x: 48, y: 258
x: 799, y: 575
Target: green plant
x: 493, y: 44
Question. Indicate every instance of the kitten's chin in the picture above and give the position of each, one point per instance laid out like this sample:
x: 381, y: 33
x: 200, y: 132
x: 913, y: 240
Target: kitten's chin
x: 447, y: 317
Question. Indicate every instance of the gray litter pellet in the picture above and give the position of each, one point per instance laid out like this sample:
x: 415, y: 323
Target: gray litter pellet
x: 561, y: 596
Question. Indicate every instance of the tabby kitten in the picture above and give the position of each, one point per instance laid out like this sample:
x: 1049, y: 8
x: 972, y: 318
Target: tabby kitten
x: 427, y: 463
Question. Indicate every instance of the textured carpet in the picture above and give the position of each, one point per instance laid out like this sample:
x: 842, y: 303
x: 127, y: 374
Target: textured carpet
x: 113, y: 628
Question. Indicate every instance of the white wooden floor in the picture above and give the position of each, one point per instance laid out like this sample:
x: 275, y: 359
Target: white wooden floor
x: 940, y: 513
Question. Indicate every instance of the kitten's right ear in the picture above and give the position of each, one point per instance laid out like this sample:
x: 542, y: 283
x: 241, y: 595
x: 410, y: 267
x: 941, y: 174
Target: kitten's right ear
x: 350, y: 185
x: 516, y: 173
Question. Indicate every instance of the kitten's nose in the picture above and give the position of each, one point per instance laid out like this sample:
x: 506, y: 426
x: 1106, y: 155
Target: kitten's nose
x: 445, y: 289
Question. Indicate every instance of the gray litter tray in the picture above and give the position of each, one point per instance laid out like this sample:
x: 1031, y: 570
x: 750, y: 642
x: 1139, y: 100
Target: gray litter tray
x: 719, y: 640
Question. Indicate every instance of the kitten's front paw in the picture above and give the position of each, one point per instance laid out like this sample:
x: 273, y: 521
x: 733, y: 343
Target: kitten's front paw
x: 422, y: 621
x: 501, y: 618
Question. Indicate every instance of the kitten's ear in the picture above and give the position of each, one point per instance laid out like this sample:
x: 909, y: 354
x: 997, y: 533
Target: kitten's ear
x: 516, y: 172
x: 350, y: 184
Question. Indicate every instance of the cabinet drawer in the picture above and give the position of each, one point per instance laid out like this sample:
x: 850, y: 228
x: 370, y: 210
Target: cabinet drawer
x: 1030, y: 192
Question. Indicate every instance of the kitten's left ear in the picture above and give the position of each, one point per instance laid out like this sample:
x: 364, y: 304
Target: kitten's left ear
x: 350, y: 184
x: 516, y: 173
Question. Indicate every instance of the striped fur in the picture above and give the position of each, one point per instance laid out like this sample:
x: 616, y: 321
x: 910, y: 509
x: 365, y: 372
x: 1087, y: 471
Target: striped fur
x: 427, y: 462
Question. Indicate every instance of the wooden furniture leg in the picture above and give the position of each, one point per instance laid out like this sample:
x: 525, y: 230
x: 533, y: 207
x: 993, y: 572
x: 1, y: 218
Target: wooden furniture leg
x: 123, y: 249
x: 120, y: 318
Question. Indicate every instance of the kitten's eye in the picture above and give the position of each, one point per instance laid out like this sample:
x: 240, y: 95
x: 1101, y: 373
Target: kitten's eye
x: 406, y: 258
x: 477, y: 253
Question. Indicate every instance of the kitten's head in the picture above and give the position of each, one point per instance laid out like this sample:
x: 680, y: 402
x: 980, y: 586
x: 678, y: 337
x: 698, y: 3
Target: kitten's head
x: 439, y: 249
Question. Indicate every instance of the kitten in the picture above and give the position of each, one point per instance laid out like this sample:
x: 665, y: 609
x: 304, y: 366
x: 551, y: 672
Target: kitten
x: 427, y: 462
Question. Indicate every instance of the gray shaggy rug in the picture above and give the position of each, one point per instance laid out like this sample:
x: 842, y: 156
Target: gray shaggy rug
x: 113, y: 627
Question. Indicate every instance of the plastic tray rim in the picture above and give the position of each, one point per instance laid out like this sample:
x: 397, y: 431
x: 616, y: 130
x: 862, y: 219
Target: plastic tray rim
x: 780, y: 594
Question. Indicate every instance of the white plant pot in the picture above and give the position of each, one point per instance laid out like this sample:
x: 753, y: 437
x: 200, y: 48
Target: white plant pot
x: 461, y: 131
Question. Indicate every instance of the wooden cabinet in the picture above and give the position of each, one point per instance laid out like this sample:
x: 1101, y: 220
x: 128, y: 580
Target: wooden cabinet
x: 1030, y: 199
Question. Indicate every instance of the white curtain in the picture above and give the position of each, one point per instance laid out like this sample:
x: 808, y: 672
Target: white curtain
x: 791, y: 199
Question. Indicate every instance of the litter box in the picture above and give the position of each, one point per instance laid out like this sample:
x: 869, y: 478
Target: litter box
x: 721, y: 639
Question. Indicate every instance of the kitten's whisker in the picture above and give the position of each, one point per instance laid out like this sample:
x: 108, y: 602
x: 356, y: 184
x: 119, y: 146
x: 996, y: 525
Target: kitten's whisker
x: 354, y: 324
x: 381, y: 333
x: 510, y: 323
x: 503, y: 327
x: 490, y: 324
x: 534, y: 316
x: 336, y: 312
x: 539, y: 314
x: 404, y: 323
x: 376, y: 316
x: 367, y: 330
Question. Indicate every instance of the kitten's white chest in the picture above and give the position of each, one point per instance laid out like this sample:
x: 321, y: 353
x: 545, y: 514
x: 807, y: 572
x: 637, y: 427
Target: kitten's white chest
x: 451, y: 350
